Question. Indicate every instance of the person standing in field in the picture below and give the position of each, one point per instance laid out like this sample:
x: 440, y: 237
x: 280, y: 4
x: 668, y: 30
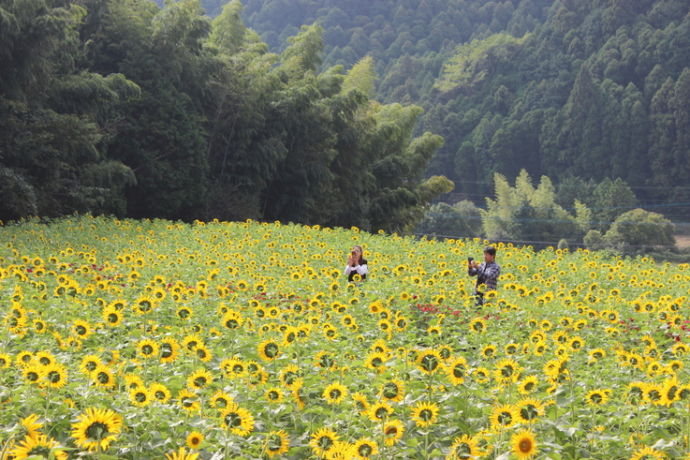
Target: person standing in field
x: 356, y: 264
x: 487, y: 272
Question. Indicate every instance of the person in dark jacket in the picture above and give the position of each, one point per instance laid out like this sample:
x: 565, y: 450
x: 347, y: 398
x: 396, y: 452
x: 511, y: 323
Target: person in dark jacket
x: 487, y: 272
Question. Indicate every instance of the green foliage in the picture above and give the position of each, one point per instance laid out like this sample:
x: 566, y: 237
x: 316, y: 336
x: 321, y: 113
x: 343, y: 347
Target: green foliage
x: 162, y: 112
x: 472, y: 62
x: 639, y: 230
x: 529, y: 214
x: 590, y: 89
x: 462, y: 219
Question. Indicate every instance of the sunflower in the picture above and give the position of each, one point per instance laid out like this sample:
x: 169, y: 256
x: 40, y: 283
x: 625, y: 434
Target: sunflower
x: 647, y: 453
x: 425, y: 414
x: 55, y: 376
x: 159, y: 392
x: 524, y: 445
x: 274, y: 395
x: 456, y: 370
x: 181, y: 454
x: 188, y: 400
x: 39, y: 446
x: 33, y: 373
x: 81, y: 329
x: 335, y: 393
x: 232, y: 320
x: 393, y: 431
x: 478, y: 325
x: 324, y: 360
x: 365, y: 448
x: 24, y: 358
x: 103, y: 377
x: 288, y: 375
x: 269, y: 350
x: 277, y: 443
x: 528, y: 385
x: 194, y: 439
x: 379, y: 411
x: 96, y: 429
x: 597, y: 397
x: 89, y: 363
x: 528, y: 410
x: 31, y: 425
x: 112, y: 317
x: 5, y: 361
x: 203, y: 353
x: 503, y: 417
x: 147, y: 348
x: 393, y: 390
x: 233, y: 367
x: 322, y: 441
x: 199, y: 379
x: 44, y: 358
x: 507, y: 371
x: 361, y: 403
x: 428, y: 361
x: 237, y: 419
x: 144, y: 305
x: 481, y: 375
x: 220, y: 400
x: 464, y: 448
x: 140, y: 397
x: 169, y: 350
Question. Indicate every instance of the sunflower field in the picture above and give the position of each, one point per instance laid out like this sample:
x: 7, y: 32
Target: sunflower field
x: 156, y: 339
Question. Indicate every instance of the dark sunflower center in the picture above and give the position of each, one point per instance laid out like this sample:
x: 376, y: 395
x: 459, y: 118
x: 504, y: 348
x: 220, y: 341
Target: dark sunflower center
x: 365, y: 450
x: 529, y: 412
x: 525, y: 446
x: 271, y: 350
x: 97, y: 430
x: 325, y: 442
x: 166, y: 351
x: 233, y: 419
x: 426, y: 415
x: 275, y: 443
x: 390, y: 390
x: 429, y: 362
x: 463, y: 451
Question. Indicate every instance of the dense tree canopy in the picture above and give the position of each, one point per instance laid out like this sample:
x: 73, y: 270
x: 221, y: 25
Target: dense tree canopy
x: 593, y: 89
x: 119, y: 106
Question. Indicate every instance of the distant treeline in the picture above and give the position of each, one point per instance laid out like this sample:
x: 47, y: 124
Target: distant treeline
x: 121, y: 107
x: 568, y: 88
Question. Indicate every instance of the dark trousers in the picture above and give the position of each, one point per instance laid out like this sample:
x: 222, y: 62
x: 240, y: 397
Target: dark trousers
x: 479, y: 298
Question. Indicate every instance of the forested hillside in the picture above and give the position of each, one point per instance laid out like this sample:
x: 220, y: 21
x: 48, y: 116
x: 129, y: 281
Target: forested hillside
x: 585, y: 88
x: 119, y: 106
